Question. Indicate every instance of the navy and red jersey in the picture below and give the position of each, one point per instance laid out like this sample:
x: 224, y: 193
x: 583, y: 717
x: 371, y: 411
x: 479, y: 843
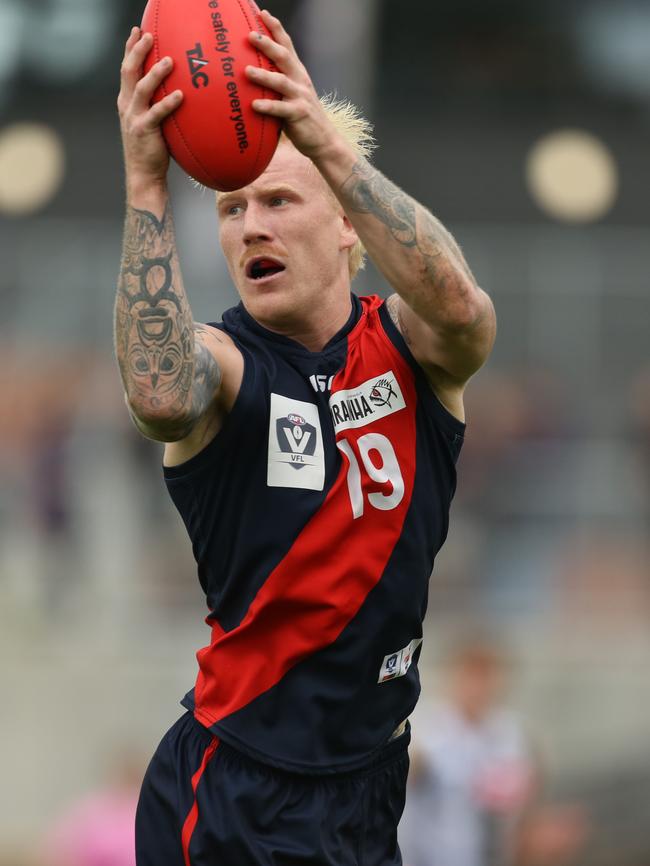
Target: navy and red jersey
x: 315, y: 516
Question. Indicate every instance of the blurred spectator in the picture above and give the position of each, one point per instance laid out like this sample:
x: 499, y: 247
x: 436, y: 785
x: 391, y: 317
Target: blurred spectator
x: 475, y: 779
x: 99, y: 830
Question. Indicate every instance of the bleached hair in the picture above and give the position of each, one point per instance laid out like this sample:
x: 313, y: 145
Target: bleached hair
x: 357, y: 131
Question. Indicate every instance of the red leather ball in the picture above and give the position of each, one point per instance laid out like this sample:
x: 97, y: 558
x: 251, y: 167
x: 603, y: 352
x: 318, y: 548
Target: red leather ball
x: 215, y: 135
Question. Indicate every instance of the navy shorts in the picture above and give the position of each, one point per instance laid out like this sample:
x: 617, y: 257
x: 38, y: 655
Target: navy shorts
x: 205, y: 804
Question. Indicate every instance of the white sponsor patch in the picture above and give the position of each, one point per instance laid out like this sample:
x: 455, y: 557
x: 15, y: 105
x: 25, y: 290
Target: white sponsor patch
x: 374, y: 399
x: 397, y: 664
x: 296, y: 455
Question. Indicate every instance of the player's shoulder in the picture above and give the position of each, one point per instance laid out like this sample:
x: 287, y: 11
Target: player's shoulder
x: 221, y: 345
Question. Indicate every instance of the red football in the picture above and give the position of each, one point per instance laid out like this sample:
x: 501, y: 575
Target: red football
x: 215, y: 135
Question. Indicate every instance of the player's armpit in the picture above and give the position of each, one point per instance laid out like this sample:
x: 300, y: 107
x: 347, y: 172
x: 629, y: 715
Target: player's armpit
x: 449, y: 356
x: 446, y: 318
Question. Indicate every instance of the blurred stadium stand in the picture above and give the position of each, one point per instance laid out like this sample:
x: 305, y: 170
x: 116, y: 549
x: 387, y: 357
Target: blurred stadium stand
x: 100, y: 611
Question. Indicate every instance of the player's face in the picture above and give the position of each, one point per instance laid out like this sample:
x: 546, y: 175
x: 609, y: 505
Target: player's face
x: 286, y: 243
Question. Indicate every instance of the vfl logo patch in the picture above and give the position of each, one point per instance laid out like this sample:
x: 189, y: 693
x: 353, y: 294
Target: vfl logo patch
x: 296, y: 437
x: 370, y: 401
x: 296, y: 456
x: 397, y: 664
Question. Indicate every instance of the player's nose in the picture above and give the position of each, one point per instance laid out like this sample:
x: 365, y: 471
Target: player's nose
x: 256, y: 225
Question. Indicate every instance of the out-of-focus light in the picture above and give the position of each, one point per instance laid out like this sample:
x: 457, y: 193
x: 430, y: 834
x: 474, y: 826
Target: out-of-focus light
x: 32, y: 167
x: 613, y: 43
x: 11, y: 19
x: 572, y: 176
x: 68, y: 39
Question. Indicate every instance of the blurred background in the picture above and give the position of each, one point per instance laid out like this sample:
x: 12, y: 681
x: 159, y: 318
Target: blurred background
x: 525, y: 126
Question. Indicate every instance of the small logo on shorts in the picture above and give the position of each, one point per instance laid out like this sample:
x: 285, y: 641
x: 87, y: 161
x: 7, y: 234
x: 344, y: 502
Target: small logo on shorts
x: 397, y: 664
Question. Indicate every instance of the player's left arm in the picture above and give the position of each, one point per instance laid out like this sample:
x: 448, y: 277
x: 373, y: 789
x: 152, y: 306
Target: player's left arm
x: 446, y: 319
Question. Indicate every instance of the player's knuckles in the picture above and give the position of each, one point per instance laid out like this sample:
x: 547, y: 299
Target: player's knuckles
x: 161, y: 110
x: 146, y: 85
x: 280, y: 82
x: 298, y: 110
x: 127, y: 69
x: 304, y: 95
x: 137, y: 54
x: 287, y: 41
x: 278, y: 52
x: 135, y: 125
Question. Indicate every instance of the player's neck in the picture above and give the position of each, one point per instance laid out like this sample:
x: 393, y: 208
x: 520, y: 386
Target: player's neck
x: 315, y: 330
x: 318, y: 334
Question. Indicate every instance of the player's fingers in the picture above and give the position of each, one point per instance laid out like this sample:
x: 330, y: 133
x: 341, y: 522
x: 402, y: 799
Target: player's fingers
x: 133, y: 62
x: 126, y: 86
x: 283, y: 57
x: 137, y: 51
x: 273, y: 80
x: 161, y: 110
x: 134, y: 36
x: 276, y: 108
x: 149, y: 83
x: 277, y: 29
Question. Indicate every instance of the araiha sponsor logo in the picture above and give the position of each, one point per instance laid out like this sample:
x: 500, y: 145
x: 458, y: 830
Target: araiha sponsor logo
x: 374, y: 399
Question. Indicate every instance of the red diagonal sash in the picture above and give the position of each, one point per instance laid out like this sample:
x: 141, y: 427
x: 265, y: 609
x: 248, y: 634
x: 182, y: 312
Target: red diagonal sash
x: 320, y: 585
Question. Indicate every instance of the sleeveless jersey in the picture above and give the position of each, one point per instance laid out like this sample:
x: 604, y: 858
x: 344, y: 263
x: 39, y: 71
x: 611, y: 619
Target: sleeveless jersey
x: 315, y: 515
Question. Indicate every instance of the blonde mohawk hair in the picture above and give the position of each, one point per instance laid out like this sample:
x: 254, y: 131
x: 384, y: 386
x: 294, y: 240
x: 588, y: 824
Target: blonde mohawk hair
x: 348, y: 120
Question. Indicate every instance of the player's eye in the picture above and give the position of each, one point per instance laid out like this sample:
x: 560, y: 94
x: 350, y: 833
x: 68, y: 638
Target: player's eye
x: 230, y: 208
x: 278, y: 201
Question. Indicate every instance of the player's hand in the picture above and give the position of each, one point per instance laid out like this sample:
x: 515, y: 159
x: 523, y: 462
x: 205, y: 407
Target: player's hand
x: 305, y: 121
x: 146, y: 156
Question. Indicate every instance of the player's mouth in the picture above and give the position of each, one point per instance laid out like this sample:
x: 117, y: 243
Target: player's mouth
x: 262, y: 269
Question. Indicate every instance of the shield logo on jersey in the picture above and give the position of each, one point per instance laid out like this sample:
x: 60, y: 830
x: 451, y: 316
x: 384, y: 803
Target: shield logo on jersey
x: 297, y: 438
x: 296, y: 452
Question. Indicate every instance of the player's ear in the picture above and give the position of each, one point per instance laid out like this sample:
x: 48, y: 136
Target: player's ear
x: 349, y: 236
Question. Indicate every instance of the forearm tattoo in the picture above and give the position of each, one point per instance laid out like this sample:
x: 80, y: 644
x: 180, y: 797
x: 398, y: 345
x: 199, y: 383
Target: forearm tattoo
x: 368, y: 191
x: 166, y: 368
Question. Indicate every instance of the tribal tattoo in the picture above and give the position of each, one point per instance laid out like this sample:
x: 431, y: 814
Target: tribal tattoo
x: 166, y: 368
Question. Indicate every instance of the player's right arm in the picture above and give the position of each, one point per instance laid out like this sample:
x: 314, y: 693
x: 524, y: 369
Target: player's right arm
x: 178, y: 376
